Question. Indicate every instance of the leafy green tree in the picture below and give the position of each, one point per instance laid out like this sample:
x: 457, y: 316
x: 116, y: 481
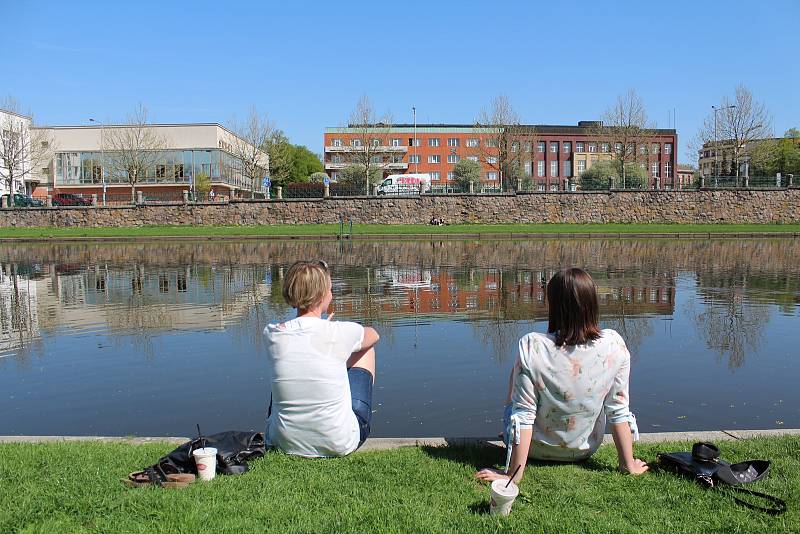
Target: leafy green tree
x: 466, y: 171
x: 354, y: 174
x: 304, y: 164
x: 598, y: 175
x: 773, y: 156
x: 792, y: 133
x: 317, y: 177
x: 202, y: 185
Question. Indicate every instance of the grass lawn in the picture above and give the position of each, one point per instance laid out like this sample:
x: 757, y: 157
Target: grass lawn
x: 72, y: 487
x: 387, y: 229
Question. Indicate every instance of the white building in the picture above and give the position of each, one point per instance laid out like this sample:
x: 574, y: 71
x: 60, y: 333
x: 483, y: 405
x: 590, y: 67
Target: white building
x: 83, y: 162
x: 15, y: 132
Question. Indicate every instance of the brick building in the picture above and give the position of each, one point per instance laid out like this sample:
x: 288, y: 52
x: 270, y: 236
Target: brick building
x: 550, y: 157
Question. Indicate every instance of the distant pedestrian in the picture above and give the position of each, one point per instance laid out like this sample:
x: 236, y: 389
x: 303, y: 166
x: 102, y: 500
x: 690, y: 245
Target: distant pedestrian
x: 211, y: 195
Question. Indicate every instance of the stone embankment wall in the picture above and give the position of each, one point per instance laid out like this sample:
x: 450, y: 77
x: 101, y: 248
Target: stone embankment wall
x: 719, y: 206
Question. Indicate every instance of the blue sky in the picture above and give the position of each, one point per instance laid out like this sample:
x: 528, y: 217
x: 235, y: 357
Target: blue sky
x: 307, y: 63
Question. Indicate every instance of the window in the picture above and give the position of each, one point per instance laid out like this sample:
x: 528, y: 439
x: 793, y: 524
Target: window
x: 514, y: 146
x: 337, y: 142
x: 618, y: 148
x: 553, y: 168
x: 656, y: 148
x: 580, y: 165
x: 491, y: 160
x: 472, y: 143
x: 453, y: 158
x: 335, y: 176
x: 376, y: 159
x: 433, y: 141
x: 396, y: 142
x: 540, y: 169
x: 553, y: 187
x: 643, y: 149
x: 491, y: 143
x: 414, y: 158
x: 668, y: 170
x: 435, y: 175
x: 355, y: 142
x: 654, y: 168
x: 452, y: 141
x: 473, y: 158
x: 554, y: 147
x: 604, y: 148
x: 528, y: 146
x: 567, y: 147
x: 491, y: 175
x: 540, y: 147
x: 540, y: 187
x: 451, y: 175
x: 579, y: 147
x: 592, y: 147
x: 528, y: 168
x: 336, y: 158
x: 567, y: 169
x: 434, y: 159
x: 161, y: 171
x: 667, y: 148
x: 376, y: 142
x: 414, y: 142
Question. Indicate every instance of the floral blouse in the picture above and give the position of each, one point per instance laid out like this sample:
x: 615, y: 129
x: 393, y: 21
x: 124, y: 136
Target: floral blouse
x: 566, y: 394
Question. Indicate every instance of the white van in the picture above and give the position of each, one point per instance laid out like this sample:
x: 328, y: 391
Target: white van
x: 399, y: 184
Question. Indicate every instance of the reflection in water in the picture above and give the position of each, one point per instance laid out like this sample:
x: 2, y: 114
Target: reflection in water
x: 480, y: 296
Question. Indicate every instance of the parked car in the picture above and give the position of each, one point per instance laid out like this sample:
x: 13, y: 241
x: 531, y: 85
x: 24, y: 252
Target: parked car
x: 23, y: 201
x: 70, y: 199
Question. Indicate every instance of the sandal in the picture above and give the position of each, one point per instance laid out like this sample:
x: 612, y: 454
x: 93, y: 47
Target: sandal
x: 151, y: 476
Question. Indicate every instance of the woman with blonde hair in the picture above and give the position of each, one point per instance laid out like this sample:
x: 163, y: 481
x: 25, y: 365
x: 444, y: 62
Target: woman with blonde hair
x: 566, y: 384
x: 323, y: 371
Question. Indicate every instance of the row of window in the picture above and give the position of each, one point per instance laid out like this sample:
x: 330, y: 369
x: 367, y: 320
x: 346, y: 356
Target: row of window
x: 566, y: 146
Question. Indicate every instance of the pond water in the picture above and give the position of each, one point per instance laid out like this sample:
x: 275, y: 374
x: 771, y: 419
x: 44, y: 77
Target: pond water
x: 151, y: 338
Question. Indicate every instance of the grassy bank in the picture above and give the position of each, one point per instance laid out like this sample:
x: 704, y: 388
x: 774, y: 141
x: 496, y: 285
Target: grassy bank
x: 400, y: 229
x: 75, y: 487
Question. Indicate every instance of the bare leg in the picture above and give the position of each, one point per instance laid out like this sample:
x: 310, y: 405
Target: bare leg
x: 365, y: 359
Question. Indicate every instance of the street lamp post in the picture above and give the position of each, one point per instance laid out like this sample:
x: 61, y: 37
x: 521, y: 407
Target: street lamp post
x: 102, y: 157
x: 416, y: 161
x: 716, y: 148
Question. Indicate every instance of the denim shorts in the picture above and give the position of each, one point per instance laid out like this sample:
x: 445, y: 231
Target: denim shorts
x: 361, y: 395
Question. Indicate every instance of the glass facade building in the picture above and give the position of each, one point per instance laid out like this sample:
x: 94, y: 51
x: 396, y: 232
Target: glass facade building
x: 169, y: 167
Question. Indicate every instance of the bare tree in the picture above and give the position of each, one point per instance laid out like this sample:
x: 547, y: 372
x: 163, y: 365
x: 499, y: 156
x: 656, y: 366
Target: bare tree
x: 626, y: 129
x: 371, y: 140
x: 133, y: 149
x: 733, y: 126
x: 504, y: 138
x: 250, y: 144
x: 23, y: 149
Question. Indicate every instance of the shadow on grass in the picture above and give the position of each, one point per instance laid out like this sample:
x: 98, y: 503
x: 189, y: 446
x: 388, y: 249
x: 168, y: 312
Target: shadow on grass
x: 478, y: 454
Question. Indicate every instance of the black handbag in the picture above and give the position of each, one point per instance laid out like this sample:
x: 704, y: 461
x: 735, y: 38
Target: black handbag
x: 705, y: 467
x: 234, y: 449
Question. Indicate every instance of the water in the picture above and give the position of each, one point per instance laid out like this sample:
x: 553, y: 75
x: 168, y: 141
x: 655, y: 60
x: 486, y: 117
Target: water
x: 149, y: 339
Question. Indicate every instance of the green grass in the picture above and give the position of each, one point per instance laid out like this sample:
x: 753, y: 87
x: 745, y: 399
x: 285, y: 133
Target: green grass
x: 74, y: 487
x: 387, y: 229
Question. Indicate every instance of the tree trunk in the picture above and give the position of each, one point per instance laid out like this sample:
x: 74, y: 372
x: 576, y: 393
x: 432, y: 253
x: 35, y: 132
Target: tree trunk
x: 133, y: 192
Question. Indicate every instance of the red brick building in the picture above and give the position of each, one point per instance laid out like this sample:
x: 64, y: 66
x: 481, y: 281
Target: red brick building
x: 549, y: 157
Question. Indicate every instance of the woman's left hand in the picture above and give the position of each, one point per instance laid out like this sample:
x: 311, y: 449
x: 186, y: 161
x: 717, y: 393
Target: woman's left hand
x: 487, y: 474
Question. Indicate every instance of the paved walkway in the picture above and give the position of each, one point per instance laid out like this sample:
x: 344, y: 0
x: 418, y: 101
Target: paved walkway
x: 377, y: 444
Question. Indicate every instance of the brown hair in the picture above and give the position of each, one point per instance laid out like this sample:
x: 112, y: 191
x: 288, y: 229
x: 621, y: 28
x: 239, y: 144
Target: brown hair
x: 305, y: 284
x: 572, y: 307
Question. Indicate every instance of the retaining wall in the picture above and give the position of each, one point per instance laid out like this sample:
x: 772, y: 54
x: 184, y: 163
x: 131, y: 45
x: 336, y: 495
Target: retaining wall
x: 717, y: 206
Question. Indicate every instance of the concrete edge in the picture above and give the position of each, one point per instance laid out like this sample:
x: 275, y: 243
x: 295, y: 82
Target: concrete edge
x: 378, y: 444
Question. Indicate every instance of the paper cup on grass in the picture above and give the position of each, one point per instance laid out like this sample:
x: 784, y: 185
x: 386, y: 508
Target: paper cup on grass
x: 502, y: 497
x: 206, y: 460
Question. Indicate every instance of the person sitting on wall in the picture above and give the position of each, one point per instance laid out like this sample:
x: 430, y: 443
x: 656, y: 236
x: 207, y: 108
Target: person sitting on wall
x: 566, y: 384
x: 434, y: 221
x: 323, y: 371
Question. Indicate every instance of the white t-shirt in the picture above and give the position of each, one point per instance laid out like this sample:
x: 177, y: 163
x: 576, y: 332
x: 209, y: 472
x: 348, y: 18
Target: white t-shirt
x: 312, y: 411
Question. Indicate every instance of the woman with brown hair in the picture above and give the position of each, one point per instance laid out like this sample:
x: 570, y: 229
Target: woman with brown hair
x: 567, y: 383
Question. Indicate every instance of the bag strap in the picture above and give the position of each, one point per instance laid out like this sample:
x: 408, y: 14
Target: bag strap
x: 778, y: 509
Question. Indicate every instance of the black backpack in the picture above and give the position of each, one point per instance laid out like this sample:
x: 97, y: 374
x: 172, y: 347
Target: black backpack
x: 705, y: 467
x: 234, y: 449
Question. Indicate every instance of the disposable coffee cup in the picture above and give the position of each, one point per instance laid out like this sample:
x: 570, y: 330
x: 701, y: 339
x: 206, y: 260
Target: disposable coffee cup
x: 206, y: 460
x: 502, y: 497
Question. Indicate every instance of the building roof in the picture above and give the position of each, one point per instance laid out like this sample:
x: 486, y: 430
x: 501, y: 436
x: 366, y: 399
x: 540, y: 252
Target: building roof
x: 582, y: 127
x: 3, y: 110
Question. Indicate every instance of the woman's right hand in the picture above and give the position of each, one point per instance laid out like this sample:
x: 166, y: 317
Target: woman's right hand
x: 487, y: 474
x: 637, y: 467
